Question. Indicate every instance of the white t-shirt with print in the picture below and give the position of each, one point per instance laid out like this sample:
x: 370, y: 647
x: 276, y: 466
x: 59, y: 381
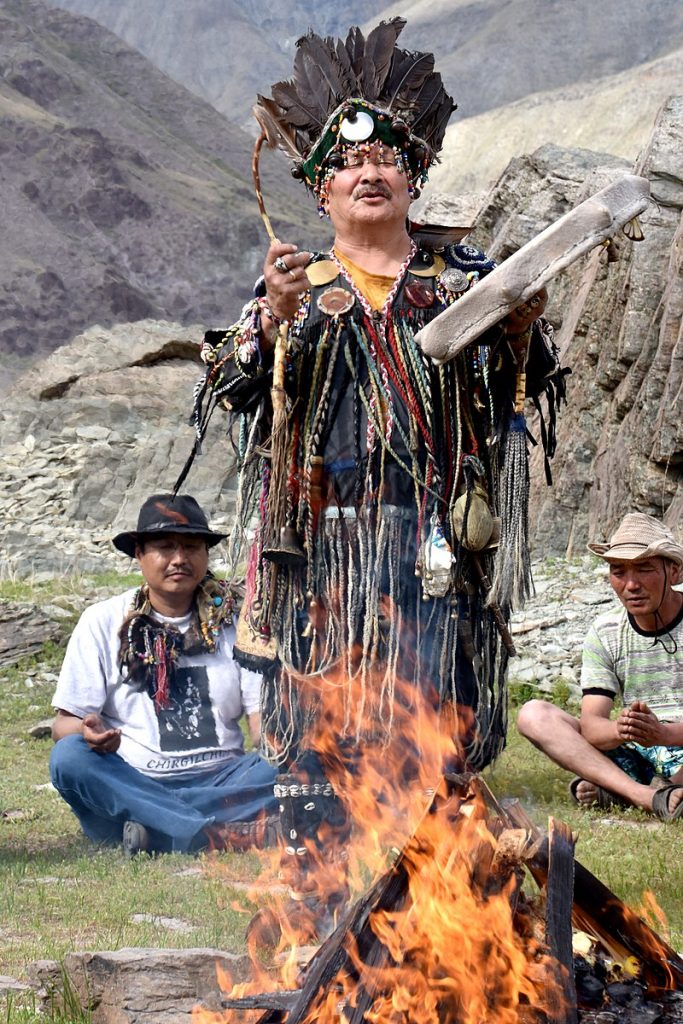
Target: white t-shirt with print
x: 199, y: 730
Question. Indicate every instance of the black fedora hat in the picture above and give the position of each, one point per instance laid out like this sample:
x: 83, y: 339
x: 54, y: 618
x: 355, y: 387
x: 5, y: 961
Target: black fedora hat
x: 167, y: 513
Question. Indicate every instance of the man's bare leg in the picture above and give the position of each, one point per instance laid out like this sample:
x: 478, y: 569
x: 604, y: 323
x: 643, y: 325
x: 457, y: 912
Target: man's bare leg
x: 556, y: 733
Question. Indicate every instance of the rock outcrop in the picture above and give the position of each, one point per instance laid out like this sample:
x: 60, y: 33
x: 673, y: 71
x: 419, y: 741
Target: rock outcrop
x: 94, y: 429
x: 138, y: 986
x: 620, y: 441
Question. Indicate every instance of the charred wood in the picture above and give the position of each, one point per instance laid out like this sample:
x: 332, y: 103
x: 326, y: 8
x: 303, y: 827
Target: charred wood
x: 561, y: 996
x: 600, y: 913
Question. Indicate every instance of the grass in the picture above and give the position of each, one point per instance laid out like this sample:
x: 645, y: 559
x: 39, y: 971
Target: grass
x: 41, y: 591
x: 59, y: 894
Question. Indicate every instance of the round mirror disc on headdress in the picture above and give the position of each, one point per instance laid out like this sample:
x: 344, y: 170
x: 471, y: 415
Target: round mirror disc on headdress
x: 358, y: 130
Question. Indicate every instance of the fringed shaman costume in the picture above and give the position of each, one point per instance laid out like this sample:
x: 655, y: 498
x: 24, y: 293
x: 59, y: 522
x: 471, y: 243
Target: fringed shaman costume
x: 398, y: 472
x: 400, y: 541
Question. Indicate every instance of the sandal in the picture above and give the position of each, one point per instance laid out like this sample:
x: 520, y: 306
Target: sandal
x: 603, y: 798
x: 660, y: 803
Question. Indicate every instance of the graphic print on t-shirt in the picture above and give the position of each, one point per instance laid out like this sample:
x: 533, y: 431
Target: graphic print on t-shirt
x: 188, y: 722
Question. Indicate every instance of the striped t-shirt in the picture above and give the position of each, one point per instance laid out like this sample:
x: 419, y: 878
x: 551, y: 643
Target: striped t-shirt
x: 619, y: 658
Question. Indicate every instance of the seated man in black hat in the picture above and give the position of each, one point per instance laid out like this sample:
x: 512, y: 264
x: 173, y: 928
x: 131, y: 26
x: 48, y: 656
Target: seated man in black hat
x: 149, y: 750
x: 632, y: 653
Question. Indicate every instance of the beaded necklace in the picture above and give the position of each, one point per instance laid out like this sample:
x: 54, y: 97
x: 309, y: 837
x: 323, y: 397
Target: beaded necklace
x: 375, y: 318
x: 151, y: 649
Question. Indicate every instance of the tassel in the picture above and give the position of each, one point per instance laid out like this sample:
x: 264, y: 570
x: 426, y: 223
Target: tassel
x: 512, y: 572
x: 161, y: 695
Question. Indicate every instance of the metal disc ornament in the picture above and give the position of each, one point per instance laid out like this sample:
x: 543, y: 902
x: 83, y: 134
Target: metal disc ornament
x: 454, y: 280
x: 419, y: 295
x: 335, y: 301
x: 430, y: 265
x: 358, y: 130
x: 322, y: 272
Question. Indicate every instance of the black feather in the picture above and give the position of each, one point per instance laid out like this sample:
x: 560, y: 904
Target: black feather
x: 435, y: 109
x: 408, y: 74
x: 355, y: 47
x: 321, y: 55
x: 278, y: 133
x: 435, y: 135
x: 296, y: 110
x: 346, y: 67
x: 429, y: 97
x: 379, y: 50
x: 311, y: 86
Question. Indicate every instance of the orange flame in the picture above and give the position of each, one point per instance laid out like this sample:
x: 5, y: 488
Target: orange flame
x: 449, y: 948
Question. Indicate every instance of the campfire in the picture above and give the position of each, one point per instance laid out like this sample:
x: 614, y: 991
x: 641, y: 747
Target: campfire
x: 445, y: 928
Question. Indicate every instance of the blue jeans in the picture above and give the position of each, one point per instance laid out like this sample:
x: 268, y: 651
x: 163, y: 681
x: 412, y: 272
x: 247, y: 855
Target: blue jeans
x: 104, y: 791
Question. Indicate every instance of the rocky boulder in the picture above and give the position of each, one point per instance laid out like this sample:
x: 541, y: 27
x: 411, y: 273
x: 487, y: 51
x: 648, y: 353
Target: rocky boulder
x: 100, y: 424
x: 138, y: 986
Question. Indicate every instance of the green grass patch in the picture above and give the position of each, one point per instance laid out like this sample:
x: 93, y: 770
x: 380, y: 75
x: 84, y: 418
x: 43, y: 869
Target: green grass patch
x: 41, y: 591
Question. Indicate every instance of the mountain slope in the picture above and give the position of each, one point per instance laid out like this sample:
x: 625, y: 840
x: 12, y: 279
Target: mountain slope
x: 225, y: 52
x: 490, y: 52
x: 125, y: 196
x: 614, y: 115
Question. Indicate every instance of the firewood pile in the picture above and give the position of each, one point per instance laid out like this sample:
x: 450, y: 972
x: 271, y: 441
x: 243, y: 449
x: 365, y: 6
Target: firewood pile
x: 450, y: 933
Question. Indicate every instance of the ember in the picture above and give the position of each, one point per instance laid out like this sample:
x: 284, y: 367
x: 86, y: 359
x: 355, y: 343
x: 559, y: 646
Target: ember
x: 446, y: 932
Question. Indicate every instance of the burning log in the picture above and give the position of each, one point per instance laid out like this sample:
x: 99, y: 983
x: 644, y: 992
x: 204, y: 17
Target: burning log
x: 558, y: 934
x: 355, y: 934
x: 368, y: 958
x: 599, y: 912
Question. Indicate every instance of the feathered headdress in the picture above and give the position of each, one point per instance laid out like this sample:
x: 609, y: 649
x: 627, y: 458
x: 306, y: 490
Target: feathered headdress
x: 357, y: 91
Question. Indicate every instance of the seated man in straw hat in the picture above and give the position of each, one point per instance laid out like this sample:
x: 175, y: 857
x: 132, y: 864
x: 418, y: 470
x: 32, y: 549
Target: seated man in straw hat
x: 635, y: 653
x: 149, y: 749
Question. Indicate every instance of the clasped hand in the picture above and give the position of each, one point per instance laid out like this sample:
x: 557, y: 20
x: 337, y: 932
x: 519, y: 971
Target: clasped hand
x: 637, y: 724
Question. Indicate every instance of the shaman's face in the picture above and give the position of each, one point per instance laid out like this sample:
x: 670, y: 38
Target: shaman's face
x: 369, y: 192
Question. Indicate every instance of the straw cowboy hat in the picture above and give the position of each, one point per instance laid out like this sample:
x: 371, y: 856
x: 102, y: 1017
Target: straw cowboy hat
x: 640, y: 536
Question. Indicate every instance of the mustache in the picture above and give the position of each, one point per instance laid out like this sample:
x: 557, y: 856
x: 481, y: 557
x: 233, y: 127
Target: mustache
x: 376, y: 189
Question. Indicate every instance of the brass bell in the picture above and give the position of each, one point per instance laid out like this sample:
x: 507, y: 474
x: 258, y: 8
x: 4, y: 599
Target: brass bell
x: 288, y: 551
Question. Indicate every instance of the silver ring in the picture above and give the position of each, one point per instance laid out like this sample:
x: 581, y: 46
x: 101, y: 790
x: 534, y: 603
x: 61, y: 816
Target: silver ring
x: 279, y: 264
